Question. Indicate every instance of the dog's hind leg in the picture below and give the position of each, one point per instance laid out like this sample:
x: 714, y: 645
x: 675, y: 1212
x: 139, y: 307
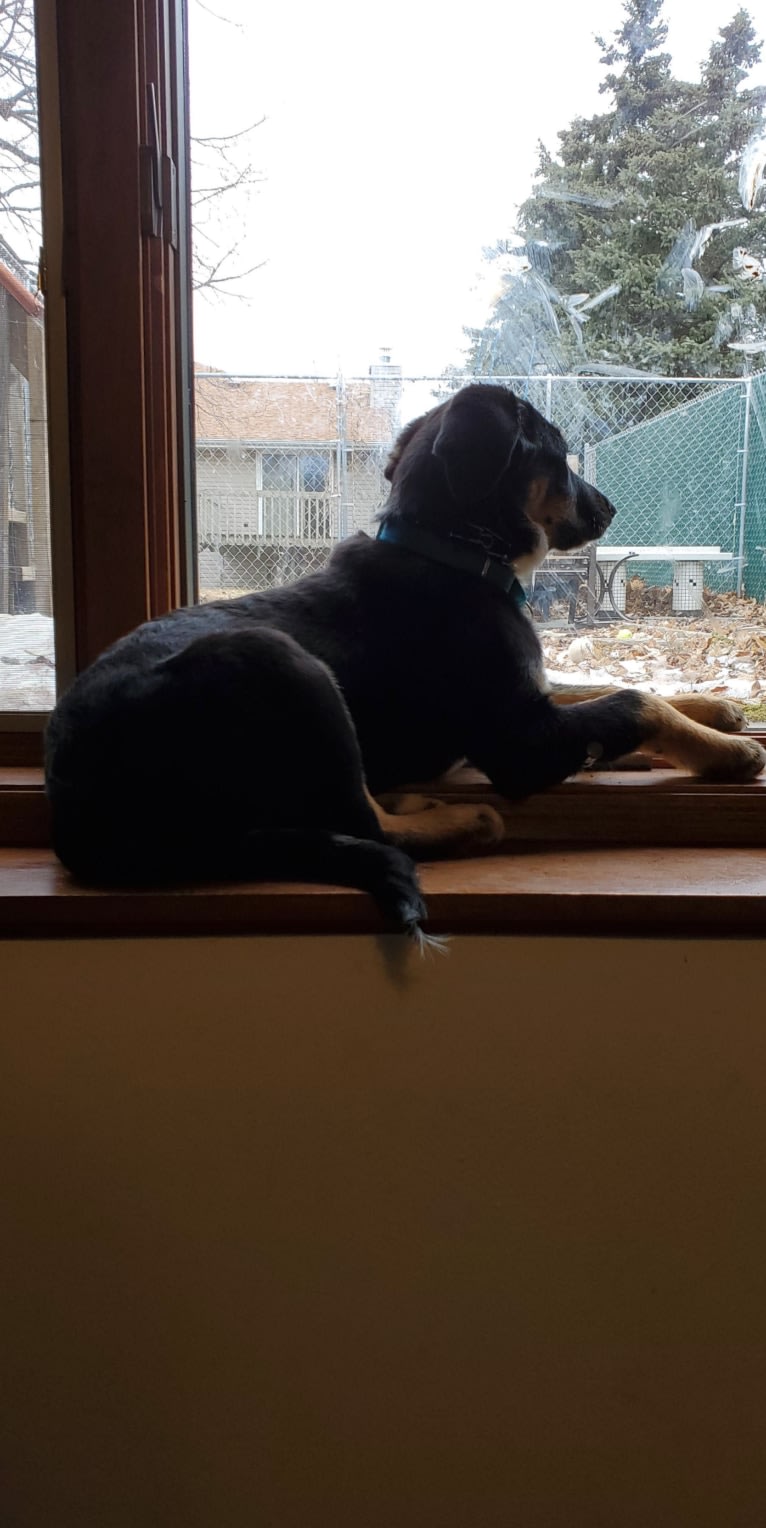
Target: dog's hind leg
x: 238, y: 761
x: 431, y: 829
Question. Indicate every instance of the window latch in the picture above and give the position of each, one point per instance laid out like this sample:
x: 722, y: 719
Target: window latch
x: 150, y: 159
x: 158, y: 182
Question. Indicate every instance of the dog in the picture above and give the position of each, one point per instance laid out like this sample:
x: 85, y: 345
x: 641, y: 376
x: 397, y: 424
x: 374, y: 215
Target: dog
x: 252, y: 738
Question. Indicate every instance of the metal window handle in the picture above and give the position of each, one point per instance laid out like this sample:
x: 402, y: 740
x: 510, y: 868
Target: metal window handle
x: 159, y: 200
x: 150, y: 158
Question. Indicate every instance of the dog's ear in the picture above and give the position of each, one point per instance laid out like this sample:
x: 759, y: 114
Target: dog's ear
x: 397, y: 449
x: 476, y: 440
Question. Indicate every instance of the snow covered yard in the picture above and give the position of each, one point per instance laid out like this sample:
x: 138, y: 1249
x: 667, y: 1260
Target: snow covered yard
x: 27, y: 681
x: 723, y: 651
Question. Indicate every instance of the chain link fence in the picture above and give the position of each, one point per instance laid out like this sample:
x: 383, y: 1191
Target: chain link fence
x: 288, y: 466
x: 27, y: 665
x: 25, y: 567
x: 752, y: 532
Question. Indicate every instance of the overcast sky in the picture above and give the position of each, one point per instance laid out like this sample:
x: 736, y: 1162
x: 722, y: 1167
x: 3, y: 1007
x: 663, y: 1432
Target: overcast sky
x: 398, y: 141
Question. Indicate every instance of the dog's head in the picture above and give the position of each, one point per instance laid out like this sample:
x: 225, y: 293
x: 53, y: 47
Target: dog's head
x: 487, y: 467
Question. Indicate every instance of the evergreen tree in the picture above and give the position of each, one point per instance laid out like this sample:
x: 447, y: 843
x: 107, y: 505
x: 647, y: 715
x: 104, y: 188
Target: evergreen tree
x: 644, y: 239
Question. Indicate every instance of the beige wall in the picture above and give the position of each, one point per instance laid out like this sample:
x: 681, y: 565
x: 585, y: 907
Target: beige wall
x: 293, y: 1236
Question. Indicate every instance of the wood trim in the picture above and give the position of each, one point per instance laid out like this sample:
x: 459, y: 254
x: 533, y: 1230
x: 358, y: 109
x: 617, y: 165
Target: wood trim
x: 103, y: 281
x: 634, y: 891
x: 660, y: 807
x: 167, y: 366
x: 24, y: 814
x: 651, y: 853
x: 119, y: 373
x: 122, y: 296
x: 22, y: 745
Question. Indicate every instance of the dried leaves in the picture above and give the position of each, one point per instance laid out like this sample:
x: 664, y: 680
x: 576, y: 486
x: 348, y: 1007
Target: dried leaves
x: 722, y: 651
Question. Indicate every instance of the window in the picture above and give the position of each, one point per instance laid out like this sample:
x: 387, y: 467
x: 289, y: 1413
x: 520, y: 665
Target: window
x: 120, y: 434
x: 114, y: 195
x: 652, y: 390
x: 26, y: 628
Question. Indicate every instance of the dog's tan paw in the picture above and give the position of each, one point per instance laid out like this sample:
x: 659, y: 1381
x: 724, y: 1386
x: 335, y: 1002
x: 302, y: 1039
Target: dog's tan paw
x: 729, y: 717
x: 490, y: 828
x: 741, y: 760
x: 712, y: 711
x: 472, y: 827
x: 407, y: 803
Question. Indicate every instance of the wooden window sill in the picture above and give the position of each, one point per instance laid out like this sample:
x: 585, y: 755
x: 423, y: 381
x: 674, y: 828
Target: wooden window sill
x: 612, y: 853
x: 657, y: 806
x: 551, y: 890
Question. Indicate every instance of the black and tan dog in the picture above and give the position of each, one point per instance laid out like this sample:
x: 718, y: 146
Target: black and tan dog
x: 248, y: 738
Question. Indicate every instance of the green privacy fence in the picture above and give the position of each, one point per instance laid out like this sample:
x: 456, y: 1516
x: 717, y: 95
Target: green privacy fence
x: 682, y: 458
x: 693, y: 475
x: 753, y: 537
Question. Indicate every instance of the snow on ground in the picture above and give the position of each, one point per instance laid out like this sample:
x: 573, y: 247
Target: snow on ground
x: 27, y: 681
x: 723, y: 651
x: 723, y: 654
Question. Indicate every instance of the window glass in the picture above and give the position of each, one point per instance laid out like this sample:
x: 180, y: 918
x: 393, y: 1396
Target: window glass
x: 27, y: 671
x: 388, y: 205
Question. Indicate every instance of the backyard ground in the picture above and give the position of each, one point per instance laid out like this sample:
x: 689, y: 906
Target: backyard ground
x: 27, y: 672
x: 722, y: 651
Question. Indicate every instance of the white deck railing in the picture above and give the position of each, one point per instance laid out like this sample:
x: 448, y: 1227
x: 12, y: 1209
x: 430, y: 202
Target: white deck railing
x: 282, y: 519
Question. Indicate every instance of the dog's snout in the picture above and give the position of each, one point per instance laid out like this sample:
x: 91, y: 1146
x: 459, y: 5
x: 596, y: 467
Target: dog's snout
x: 597, y: 510
x: 605, y: 510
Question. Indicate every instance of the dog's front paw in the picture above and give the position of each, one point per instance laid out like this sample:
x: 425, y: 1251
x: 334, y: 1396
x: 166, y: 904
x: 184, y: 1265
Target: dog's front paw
x: 741, y: 760
x: 728, y: 717
x: 712, y: 711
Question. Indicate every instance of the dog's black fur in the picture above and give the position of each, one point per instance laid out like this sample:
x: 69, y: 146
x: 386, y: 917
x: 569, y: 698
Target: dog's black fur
x: 233, y: 739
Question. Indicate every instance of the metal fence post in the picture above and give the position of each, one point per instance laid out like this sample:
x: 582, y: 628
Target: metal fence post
x: 743, y: 494
x: 341, y: 456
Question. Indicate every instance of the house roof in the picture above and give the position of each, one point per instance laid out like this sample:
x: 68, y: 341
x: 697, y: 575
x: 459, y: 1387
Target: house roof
x: 294, y: 410
x: 19, y: 293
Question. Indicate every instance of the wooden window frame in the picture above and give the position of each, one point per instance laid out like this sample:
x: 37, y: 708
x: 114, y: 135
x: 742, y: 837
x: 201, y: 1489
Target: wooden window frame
x: 113, y: 94
x: 120, y: 420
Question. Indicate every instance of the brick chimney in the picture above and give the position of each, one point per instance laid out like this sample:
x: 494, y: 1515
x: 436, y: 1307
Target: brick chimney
x: 386, y: 388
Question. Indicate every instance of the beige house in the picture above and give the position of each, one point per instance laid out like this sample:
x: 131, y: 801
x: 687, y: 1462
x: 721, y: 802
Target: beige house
x: 25, y: 575
x: 285, y: 467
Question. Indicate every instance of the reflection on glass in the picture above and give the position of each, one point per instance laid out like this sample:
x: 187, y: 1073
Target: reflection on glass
x: 27, y: 679
x: 598, y: 245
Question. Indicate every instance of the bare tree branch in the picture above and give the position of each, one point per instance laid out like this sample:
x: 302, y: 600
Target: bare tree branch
x: 219, y: 138
x: 225, y: 176
x: 227, y: 20
x: 224, y: 181
x: 19, y: 150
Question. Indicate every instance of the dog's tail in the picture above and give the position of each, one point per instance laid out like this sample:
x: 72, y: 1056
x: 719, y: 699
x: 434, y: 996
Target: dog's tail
x: 110, y: 858
x: 385, y: 872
